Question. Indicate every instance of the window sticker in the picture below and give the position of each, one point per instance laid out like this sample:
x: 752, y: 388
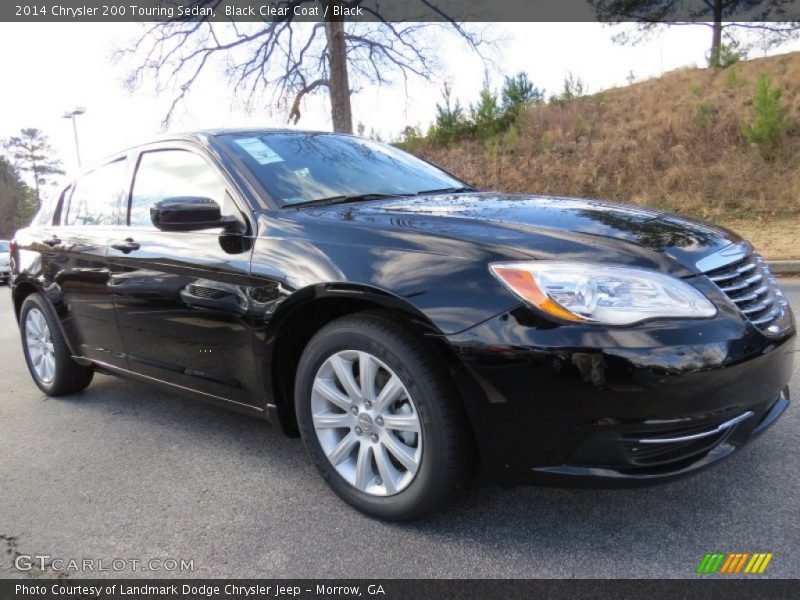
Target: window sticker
x: 261, y: 153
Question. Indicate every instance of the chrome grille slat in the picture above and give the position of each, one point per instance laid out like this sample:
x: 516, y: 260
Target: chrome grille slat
x: 753, y: 278
x: 767, y: 318
x: 724, y: 276
x: 751, y: 296
x: 733, y: 273
x: 748, y: 283
x: 747, y: 267
x: 760, y: 307
x: 734, y: 288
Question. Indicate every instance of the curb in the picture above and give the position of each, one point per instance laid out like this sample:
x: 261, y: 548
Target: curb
x: 784, y: 267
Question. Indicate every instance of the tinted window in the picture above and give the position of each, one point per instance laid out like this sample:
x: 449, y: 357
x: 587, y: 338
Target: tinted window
x: 171, y: 173
x: 299, y: 167
x: 94, y: 197
x: 52, y: 208
x: 3, y: 246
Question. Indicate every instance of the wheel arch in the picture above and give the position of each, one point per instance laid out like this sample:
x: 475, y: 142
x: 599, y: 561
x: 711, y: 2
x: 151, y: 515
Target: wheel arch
x: 22, y: 289
x: 306, y: 312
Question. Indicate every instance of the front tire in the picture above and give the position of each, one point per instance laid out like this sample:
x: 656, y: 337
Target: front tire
x: 46, y: 352
x: 380, y: 418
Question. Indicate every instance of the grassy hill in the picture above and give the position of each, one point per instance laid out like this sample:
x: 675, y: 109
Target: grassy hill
x: 673, y: 142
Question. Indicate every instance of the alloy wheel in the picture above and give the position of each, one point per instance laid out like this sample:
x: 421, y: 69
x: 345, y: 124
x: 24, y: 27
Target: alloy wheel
x: 40, y: 345
x: 366, y: 422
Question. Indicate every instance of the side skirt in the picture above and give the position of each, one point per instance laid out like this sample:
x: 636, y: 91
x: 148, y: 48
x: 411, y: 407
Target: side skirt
x: 209, y: 398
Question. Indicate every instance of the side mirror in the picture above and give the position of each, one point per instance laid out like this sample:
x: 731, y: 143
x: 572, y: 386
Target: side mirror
x: 186, y: 213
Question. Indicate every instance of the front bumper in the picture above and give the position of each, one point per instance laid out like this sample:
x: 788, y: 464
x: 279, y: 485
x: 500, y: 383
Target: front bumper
x: 602, y: 406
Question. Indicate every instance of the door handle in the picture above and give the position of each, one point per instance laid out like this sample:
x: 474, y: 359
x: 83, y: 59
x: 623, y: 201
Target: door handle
x: 126, y: 245
x: 52, y: 242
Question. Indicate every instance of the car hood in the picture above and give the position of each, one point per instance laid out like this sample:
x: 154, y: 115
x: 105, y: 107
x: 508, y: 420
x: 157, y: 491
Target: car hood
x: 546, y: 227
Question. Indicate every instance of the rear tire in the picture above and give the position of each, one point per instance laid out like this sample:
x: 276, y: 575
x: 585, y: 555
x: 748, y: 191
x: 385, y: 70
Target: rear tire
x: 46, y: 352
x: 408, y: 449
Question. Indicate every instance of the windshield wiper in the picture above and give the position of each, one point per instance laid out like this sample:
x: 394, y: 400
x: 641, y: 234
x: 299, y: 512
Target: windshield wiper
x: 449, y: 190
x: 344, y: 199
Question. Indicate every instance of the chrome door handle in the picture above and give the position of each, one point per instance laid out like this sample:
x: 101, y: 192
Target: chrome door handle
x: 126, y: 246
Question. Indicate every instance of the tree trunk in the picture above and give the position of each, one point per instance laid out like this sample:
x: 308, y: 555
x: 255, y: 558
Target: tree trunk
x: 36, y: 186
x: 716, y: 37
x: 338, y: 85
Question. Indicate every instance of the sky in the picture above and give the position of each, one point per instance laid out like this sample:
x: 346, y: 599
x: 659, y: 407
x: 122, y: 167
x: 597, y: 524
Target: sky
x: 49, y: 68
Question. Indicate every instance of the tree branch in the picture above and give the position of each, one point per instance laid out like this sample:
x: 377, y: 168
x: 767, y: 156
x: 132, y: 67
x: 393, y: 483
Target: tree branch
x: 280, y: 57
x: 294, y: 113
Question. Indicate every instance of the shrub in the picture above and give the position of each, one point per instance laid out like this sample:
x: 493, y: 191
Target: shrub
x: 451, y: 124
x: 726, y: 56
x: 490, y: 117
x: 511, y: 139
x: 703, y: 112
x: 574, y: 87
x: 544, y: 142
x: 770, y: 122
x: 518, y: 93
x: 486, y: 115
x: 411, y: 139
x: 734, y: 79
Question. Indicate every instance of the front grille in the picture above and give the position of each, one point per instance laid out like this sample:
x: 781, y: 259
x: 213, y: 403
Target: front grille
x: 751, y: 286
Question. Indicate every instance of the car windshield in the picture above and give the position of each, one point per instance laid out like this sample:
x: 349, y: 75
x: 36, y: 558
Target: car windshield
x: 3, y: 246
x: 296, y: 167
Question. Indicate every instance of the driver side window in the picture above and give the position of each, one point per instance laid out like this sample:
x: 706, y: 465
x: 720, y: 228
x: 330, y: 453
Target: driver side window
x: 164, y: 174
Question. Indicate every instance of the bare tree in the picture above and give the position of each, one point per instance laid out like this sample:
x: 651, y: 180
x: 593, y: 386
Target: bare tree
x: 718, y: 15
x: 287, y: 60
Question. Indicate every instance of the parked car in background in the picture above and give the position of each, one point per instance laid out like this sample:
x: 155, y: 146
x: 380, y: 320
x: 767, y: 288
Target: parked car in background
x: 5, y: 261
x: 408, y: 326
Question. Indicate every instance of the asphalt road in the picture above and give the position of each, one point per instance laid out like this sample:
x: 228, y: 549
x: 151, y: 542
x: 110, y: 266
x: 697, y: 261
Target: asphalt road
x: 126, y: 471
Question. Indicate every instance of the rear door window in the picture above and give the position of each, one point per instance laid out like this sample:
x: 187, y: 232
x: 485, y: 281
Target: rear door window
x: 95, y: 196
x: 51, y: 209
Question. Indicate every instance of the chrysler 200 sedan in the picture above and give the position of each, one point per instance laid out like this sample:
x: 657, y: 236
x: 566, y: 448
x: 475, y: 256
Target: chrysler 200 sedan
x: 408, y: 326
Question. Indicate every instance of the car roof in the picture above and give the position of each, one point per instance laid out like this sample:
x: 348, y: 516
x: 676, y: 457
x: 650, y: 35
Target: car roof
x: 200, y: 136
x: 245, y: 130
x: 203, y: 134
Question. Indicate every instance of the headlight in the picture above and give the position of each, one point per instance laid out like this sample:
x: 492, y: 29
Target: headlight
x: 599, y: 293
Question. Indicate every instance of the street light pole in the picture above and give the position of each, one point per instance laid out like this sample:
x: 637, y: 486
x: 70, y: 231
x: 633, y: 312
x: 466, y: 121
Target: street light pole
x: 71, y: 114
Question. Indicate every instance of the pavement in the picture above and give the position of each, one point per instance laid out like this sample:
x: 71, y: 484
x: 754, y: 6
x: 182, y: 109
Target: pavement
x: 126, y: 471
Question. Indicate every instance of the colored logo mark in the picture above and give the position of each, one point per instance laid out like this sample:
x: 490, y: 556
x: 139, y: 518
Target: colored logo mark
x: 735, y: 562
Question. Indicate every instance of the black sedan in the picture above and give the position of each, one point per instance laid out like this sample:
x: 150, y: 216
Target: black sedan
x: 407, y: 326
